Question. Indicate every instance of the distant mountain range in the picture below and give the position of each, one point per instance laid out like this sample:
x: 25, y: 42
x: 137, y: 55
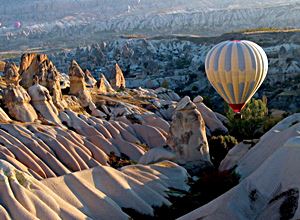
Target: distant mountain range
x: 88, y: 20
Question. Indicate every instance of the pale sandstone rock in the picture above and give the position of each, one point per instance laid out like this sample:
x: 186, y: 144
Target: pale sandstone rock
x: 3, y: 116
x: 155, y: 121
x: 78, y: 89
x: 157, y: 155
x: 29, y: 67
x: 39, y: 65
x: 149, y: 135
x: 269, y: 192
x: 119, y: 81
x: 210, y: 118
x: 76, y: 75
x: 11, y: 74
x: 53, y: 85
x: 90, y: 81
x: 42, y: 102
x: 105, y: 88
x: 188, y: 136
x: 268, y: 143
x: 234, y: 156
x: 16, y: 100
x: 2, y: 65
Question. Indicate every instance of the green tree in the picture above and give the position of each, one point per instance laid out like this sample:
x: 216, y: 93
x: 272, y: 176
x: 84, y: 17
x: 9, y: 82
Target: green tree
x: 219, y: 147
x: 165, y: 84
x: 253, y: 117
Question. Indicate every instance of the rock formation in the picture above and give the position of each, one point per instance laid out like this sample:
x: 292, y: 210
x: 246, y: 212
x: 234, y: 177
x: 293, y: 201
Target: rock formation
x: 271, y: 191
x: 2, y: 66
x: 105, y: 88
x: 90, y: 81
x: 53, y: 85
x: 39, y: 65
x: 77, y: 84
x: 210, y: 118
x: 30, y: 66
x: 156, y: 155
x: 24, y: 197
x: 188, y: 136
x: 42, y: 102
x: 249, y: 161
x: 3, y: 116
x: 11, y: 74
x: 76, y: 75
x: 119, y: 81
x: 16, y: 100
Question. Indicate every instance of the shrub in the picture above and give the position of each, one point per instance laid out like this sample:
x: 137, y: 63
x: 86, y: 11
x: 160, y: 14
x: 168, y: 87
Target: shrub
x: 253, y: 117
x: 219, y: 147
x: 118, y: 162
x: 165, y: 84
x: 209, y: 186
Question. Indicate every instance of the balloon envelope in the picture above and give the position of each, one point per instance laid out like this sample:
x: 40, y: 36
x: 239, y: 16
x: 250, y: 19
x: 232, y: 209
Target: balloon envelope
x: 17, y: 24
x: 236, y: 69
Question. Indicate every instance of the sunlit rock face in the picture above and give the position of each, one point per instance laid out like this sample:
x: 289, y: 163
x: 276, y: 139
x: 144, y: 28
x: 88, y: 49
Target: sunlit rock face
x: 210, y: 118
x: 77, y: 84
x: 30, y: 66
x: 90, y: 81
x: 76, y: 75
x: 42, y: 102
x: 39, y: 65
x: 11, y: 74
x: 269, y: 186
x: 104, y: 86
x: 188, y: 135
x: 16, y: 100
x: 135, y: 187
x: 119, y: 81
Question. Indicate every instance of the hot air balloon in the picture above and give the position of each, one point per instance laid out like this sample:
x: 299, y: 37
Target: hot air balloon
x: 17, y: 24
x: 236, y: 69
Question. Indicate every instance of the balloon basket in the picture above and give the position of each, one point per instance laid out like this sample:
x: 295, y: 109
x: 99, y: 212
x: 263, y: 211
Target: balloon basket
x: 238, y: 116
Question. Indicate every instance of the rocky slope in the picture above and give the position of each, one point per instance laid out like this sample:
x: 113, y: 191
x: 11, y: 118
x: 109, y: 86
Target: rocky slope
x: 269, y: 186
x: 75, y: 196
x: 65, y: 147
x: 70, y: 144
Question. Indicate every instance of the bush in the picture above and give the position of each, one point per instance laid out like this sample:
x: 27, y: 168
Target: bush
x: 253, y: 117
x: 219, y: 147
x: 209, y: 186
x: 118, y: 162
x: 165, y: 84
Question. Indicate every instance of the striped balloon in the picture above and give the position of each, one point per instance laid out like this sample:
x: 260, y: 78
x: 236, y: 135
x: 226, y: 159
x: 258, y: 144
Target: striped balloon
x: 236, y: 69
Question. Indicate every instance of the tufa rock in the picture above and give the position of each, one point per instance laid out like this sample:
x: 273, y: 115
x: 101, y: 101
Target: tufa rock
x: 16, y: 100
x: 2, y: 66
x: 30, y: 66
x: 119, y: 81
x: 156, y: 155
x: 105, y: 87
x: 39, y: 65
x: 11, y: 74
x: 188, y: 136
x: 42, y: 102
x: 210, y: 118
x: 3, y: 116
x: 77, y: 80
x: 90, y: 81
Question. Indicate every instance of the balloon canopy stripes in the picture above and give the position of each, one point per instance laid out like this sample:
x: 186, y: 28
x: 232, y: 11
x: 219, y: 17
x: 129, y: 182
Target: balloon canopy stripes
x: 236, y: 69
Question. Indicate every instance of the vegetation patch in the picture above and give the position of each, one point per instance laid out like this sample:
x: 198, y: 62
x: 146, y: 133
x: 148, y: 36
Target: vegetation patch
x: 254, y: 123
x: 118, y: 162
x: 210, y: 185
